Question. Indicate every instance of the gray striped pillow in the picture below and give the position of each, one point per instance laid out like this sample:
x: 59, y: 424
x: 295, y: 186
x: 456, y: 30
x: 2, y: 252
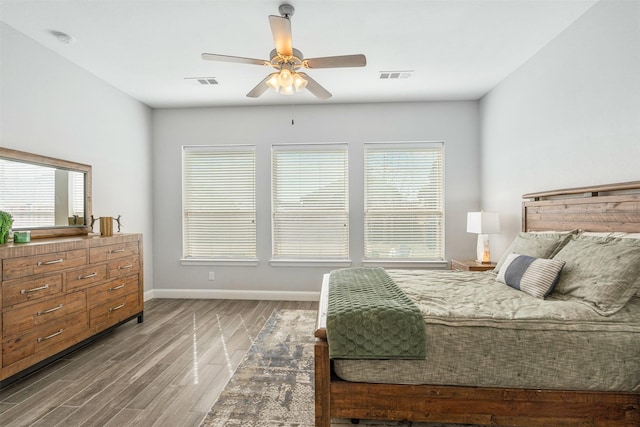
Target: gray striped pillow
x: 535, y: 276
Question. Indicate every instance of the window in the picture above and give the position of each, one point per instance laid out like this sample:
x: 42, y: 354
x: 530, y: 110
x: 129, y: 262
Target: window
x: 219, y: 202
x: 310, y: 204
x: 404, y: 201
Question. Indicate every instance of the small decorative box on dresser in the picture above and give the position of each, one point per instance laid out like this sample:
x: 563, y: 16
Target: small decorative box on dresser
x: 60, y: 293
x: 471, y: 265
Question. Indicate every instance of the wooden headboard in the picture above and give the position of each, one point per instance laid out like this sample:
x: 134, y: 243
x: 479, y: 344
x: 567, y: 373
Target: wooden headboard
x: 611, y: 207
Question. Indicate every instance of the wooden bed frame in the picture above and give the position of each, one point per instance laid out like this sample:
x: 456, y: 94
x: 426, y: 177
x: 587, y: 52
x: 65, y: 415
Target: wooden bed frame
x: 614, y: 207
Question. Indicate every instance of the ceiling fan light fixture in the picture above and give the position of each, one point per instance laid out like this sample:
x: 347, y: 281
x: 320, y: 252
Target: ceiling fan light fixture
x: 287, y: 60
x: 286, y: 82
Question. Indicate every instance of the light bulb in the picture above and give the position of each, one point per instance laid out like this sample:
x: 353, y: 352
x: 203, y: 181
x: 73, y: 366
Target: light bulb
x: 285, y: 79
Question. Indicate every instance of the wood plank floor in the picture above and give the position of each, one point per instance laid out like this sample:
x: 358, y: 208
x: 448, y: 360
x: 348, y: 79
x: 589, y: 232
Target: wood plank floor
x: 167, y: 371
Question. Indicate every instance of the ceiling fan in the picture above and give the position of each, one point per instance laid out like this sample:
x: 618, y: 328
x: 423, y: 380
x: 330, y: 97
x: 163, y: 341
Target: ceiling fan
x: 286, y: 60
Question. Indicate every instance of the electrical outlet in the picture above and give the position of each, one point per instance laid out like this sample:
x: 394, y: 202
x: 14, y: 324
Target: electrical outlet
x: 212, y: 275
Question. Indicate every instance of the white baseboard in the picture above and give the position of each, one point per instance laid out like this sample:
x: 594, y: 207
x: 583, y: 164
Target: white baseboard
x: 231, y: 294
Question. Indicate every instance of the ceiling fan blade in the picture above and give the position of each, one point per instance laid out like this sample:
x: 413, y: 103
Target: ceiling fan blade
x: 239, y: 59
x: 281, y: 29
x: 260, y: 88
x: 315, y: 88
x: 337, y: 61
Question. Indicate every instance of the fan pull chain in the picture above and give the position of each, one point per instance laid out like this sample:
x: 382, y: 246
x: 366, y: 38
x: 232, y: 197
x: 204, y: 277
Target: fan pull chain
x: 292, y: 121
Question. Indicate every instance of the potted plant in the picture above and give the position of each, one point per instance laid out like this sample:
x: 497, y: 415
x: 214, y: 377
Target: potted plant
x: 6, y: 222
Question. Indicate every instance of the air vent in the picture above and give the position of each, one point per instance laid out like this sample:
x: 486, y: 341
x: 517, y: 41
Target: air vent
x: 386, y: 75
x: 204, y: 81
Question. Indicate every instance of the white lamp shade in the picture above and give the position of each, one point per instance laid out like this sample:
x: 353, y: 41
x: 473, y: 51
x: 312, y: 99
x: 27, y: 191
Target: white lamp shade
x: 285, y: 78
x: 483, y: 222
x: 287, y: 90
x: 299, y: 82
x: 272, y: 82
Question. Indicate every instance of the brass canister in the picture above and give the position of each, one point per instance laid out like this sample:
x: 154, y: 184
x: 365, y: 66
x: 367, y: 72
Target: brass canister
x: 106, y: 226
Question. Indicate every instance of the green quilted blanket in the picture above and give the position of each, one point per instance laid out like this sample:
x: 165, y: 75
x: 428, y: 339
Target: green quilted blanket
x: 370, y: 317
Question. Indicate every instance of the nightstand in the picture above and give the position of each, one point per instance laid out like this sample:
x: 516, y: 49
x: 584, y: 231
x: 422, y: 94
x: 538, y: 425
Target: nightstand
x: 471, y: 265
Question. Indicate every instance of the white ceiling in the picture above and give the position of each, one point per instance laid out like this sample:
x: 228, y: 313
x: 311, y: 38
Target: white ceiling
x: 457, y: 49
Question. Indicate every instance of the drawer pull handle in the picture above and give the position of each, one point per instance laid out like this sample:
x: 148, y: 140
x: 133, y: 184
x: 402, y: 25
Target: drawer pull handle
x: 51, y: 336
x: 115, y: 251
x: 125, y: 266
x: 88, y: 276
x: 40, y: 313
x: 55, y: 261
x: 116, y: 288
x: 26, y: 291
x: 117, y: 307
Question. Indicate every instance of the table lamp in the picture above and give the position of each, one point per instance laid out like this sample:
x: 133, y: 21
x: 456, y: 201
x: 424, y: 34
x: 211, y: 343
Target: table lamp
x: 483, y: 224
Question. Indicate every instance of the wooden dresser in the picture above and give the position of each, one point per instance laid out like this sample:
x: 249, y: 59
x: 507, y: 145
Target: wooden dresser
x: 59, y: 293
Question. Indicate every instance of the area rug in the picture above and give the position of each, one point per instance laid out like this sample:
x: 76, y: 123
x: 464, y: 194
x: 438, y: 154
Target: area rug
x: 273, y: 385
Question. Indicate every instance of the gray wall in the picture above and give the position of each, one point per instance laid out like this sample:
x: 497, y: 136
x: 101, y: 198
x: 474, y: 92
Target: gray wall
x: 455, y: 123
x: 569, y: 117
x: 54, y: 108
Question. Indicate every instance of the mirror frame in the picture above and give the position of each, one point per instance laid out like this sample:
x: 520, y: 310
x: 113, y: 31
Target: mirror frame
x: 56, y: 231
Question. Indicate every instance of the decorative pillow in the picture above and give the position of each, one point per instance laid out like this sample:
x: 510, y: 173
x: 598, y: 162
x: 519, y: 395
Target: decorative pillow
x: 539, y: 245
x: 602, y: 272
x: 535, y: 276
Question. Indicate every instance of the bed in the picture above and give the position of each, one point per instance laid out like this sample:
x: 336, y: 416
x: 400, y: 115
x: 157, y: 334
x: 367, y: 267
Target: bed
x: 590, y: 393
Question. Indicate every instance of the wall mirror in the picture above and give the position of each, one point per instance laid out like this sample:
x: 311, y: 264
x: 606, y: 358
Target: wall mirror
x: 51, y: 197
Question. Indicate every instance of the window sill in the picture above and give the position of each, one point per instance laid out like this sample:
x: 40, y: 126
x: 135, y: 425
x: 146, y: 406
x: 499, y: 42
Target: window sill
x: 229, y: 262
x: 440, y: 264
x: 310, y: 263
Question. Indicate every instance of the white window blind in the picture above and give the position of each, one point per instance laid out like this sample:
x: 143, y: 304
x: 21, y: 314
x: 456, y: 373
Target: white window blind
x: 310, y: 205
x: 404, y: 201
x: 76, y: 189
x: 27, y: 192
x: 219, y: 202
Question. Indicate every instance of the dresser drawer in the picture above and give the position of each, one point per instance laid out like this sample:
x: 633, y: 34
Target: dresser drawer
x: 112, y: 312
x: 38, y: 264
x: 23, y: 319
x: 109, y: 252
x: 113, y: 290
x: 19, y: 291
x: 85, y: 276
x: 47, y: 339
x: 122, y: 267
